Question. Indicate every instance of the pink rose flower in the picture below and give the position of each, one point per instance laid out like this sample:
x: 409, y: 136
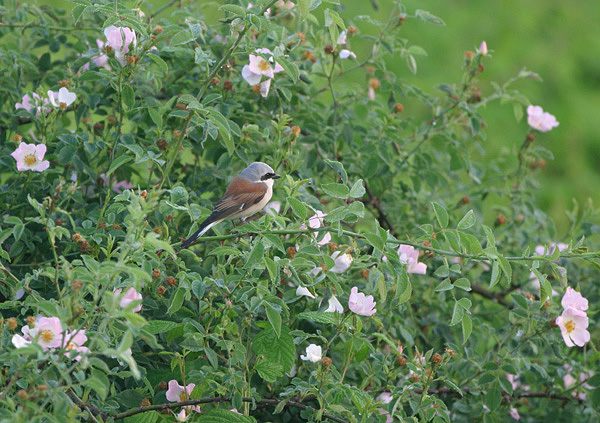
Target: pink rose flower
x: 32, y: 102
x: 334, y: 305
x: 130, y: 295
x: 62, y: 98
x: 540, y: 120
x: 177, y: 393
x: 574, y: 299
x: 74, y: 342
x: 30, y: 157
x: 120, y: 39
x: 410, y: 256
x: 47, y: 332
x: 573, y: 325
x: 361, y: 304
x: 483, y: 50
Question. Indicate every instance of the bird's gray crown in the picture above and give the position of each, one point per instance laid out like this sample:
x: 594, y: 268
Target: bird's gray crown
x: 255, y: 171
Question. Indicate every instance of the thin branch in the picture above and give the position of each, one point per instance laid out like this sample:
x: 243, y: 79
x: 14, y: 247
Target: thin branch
x: 524, y: 394
x: 264, y: 401
x: 382, y: 216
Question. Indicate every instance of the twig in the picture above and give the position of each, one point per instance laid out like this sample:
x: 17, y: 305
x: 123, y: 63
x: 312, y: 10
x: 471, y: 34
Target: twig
x: 264, y: 401
x: 382, y: 216
x: 552, y: 396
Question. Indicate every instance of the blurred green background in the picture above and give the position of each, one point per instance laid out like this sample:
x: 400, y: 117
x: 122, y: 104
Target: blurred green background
x: 558, y: 40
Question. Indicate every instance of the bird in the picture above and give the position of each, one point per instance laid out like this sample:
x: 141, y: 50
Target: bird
x: 246, y: 195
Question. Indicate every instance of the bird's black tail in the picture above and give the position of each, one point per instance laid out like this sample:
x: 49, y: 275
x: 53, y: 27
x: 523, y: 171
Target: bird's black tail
x: 204, y: 226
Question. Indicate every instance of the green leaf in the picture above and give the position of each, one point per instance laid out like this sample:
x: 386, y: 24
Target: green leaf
x: 493, y: 396
x: 441, y: 214
x: 506, y: 268
x: 224, y: 251
x: 357, y: 190
x: 269, y: 371
x: 375, y: 240
x: 463, y: 283
x: 160, y: 326
x: 328, y: 318
x: 279, y: 350
x: 156, y: 116
x: 336, y: 190
x: 495, y: 277
x: 274, y: 317
x: 467, y: 221
x: 219, y: 415
x: 339, y: 168
x: 298, y: 207
x: 176, y: 301
x: 117, y: 163
x: 182, y: 37
x: 457, y: 314
x: 467, y: 327
x: 218, y: 120
x: 289, y: 67
x: 233, y: 9
x: 128, y: 97
x: 425, y: 16
x: 98, y: 382
x: 160, y: 62
x: 303, y: 7
x: 255, y: 256
x: 445, y: 285
x: 403, y: 288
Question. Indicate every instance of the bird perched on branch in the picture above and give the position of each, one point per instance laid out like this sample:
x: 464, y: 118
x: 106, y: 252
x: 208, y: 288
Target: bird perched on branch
x: 246, y: 195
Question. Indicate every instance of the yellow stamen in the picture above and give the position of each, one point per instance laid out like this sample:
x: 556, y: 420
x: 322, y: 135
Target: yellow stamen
x: 182, y: 396
x: 62, y: 105
x: 47, y: 335
x: 29, y: 159
x: 570, y: 326
x: 256, y: 88
x: 263, y: 65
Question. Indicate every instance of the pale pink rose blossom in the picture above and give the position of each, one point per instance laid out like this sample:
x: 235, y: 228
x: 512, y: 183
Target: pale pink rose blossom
x: 483, y: 50
x: 177, y: 393
x: 313, y: 353
x: 569, y: 381
x: 361, y: 304
x: 120, y: 40
x: 62, y: 98
x: 181, y: 416
x: 386, y: 398
x: 334, y: 305
x: 341, y: 38
x: 30, y: 157
x: 514, y: 413
x: 315, y: 222
x: 573, y: 325
x: 542, y: 250
x: 540, y: 120
x: 345, y: 53
x: 304, y: 292
x: 342, y: 262
x: 264, y: 87
x: 118, y: 187
x: 47, y: 332
x: 130, y: 295
x: 285, y: 5
x: 515, y: 383
x: 74, y: 341
x: 32, y: 102
x: 410, y: 256
x: 102, y: 59
x: 574, y: 299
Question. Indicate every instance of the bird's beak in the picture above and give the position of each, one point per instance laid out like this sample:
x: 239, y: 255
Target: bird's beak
x: 276, y: 176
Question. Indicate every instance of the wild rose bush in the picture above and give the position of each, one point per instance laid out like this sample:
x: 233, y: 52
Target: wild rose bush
x: 398, y: 275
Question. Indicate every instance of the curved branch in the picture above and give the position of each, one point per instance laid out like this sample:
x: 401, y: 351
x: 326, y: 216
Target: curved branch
x: 264, y: 401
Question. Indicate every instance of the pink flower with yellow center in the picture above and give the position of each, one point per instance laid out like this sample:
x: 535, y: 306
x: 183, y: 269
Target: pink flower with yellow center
x: 32, y: 102
x: 573, y: 325
x: 120, y: 40
x: 62, y: 98
x: 178, y: 393
x: 30, y: 157
x: 74, y: 342
x: 47, y: 333
x: 130, y: 295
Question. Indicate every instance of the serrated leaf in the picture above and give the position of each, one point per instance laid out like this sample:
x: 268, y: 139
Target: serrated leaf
x: 176, y: 302
x: 457, y: 314
x: 357, y: 190
x: 467, y: 221
x: 445, y: 285
x: 336, y: 190
x: 506, y: 268
x: 160, y: 326
x: 218, y: 120
x: 375, y: 240
x: 274, y: 318
x: 463, y: 283
x: 328, y: 318
x: 128, y: 96
x: 225, y: 251
x: 234, y: 9
x: 303, y: 8
x: 289, y: 67
x: 155, y: 116
x: 339, y: 168
x: 467, y: 327
x: 182, y: 37
x: 495, y: 276
x: 160, y: 62
x: 279, y: 350
x: 117, y: 163
x: 441, y: 214
x: 403, y: 288
x: 255, y: 256
x: 493, y: 396
x: 298, y: 207
x: 269, y: 371
x: 425, y: 16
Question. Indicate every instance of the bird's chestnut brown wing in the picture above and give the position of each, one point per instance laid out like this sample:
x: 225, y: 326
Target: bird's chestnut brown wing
x: 240, y: 195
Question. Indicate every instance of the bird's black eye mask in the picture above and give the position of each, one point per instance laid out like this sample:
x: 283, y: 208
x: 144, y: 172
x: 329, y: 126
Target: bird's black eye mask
x: 269, y: 175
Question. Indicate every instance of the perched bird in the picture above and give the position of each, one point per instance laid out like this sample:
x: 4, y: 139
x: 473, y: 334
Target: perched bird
x: 246, y: 195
